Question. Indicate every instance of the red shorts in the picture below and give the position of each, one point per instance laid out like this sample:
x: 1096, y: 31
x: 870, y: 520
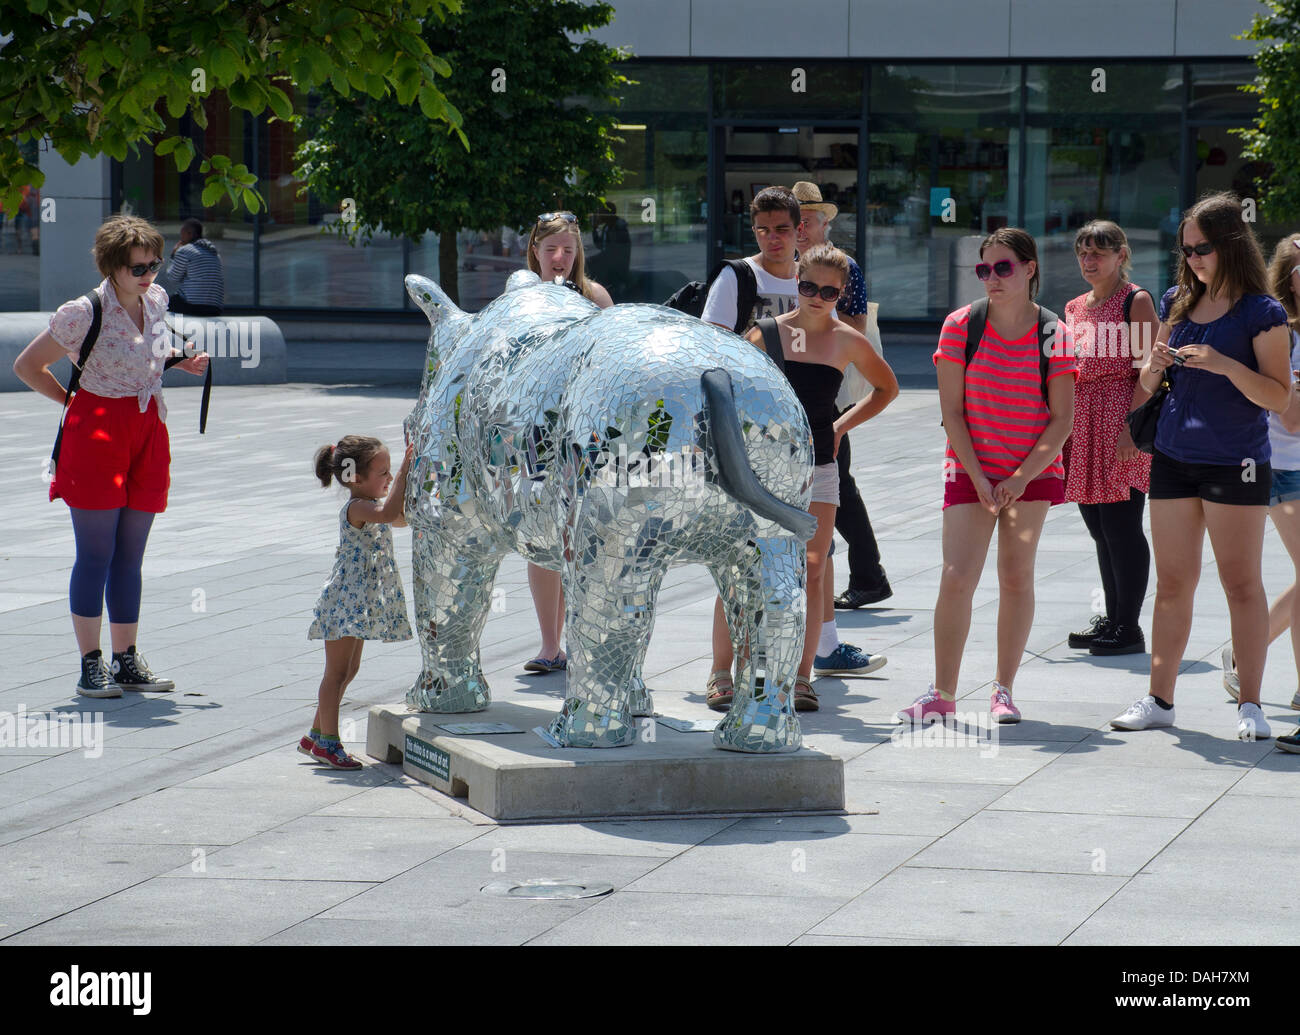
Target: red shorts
x: 962, y: 490
x: 113, y: 455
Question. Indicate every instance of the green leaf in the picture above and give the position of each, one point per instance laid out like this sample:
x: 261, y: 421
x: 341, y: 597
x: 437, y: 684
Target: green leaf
x: 247, y: 94
x: 431, y: 102
x: 280, y: 103
x: 224, y: 64
x: 184, y: 154
x: 252, y: 201
x: 166, y: 147
x: 212, y: 193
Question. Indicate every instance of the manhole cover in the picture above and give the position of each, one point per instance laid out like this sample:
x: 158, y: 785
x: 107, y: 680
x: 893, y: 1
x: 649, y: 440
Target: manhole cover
x: 545, y: 888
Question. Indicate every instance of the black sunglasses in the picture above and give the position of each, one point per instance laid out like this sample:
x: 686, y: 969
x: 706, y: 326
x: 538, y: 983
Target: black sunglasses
x: 1204, y: 248
x: 810, y: 290
x: 141, y: 269
x: 546, y: 217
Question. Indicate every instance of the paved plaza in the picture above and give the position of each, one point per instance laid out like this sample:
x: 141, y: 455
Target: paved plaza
x: 196, y: 822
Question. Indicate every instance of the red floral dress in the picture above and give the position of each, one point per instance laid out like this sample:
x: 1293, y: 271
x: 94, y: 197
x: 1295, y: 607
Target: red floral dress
x: 1103, y: 396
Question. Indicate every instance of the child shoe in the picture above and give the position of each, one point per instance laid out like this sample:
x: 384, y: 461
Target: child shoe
x: 331, y: 753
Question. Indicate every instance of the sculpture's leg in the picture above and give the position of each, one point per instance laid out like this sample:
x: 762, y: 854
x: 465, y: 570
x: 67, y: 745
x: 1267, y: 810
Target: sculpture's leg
x: 610, y: 584
x: 764, y: 592
x: 452, y: 589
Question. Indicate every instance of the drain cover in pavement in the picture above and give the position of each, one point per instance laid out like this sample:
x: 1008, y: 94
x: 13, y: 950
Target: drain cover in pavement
x: 544, y: 888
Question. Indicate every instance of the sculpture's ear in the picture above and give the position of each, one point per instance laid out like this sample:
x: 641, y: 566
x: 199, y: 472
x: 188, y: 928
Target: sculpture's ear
x: 521, y: 279
x: 431, y: 299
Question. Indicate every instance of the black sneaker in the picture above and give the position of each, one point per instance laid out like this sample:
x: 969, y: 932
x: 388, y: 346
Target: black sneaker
x: 131, y: 672
x: 1291, y: 742
x: 1119, y: 639
x: 851, y: 599
x: 1100, y: 625
x: 95, y: 678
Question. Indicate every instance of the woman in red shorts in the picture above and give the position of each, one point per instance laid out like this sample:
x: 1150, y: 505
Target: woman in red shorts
x: 113, y: 466
x: 1002, y: 468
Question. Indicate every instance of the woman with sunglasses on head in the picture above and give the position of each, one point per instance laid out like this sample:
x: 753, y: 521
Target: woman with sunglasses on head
x: 816, y: 347
x: 1002, y: 467
x: 1106, y: 474
x: 555, y: 250
x: 1223, y: 342
x: 1284, y: 496
x: 113, y: 466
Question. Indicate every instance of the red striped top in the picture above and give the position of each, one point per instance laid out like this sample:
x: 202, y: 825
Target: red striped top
x: 1005, y: 411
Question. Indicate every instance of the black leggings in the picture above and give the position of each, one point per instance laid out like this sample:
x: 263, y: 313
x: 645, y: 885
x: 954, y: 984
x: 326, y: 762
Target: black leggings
x: 1122, y: 554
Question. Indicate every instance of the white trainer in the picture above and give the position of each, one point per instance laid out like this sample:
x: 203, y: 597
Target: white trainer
x: 1251, y: 724
x: 1143, y: 714
x: 1230, y: 681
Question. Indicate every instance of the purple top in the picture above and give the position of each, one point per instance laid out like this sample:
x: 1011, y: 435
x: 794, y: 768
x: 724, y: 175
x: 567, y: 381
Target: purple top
x: 1205, y: 419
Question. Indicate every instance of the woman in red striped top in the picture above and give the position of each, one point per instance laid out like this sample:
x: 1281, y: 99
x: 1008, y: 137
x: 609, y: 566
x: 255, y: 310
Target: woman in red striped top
x: 1002, y: 467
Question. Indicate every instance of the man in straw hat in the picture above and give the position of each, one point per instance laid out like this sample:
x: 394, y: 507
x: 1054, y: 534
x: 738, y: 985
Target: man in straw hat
x: 868, y: 583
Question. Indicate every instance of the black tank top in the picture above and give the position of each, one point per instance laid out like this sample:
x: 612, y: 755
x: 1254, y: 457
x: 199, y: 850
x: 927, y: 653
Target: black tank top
x: 816, y: 385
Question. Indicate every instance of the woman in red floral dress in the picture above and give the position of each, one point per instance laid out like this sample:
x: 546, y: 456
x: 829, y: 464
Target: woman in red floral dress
x: 1105, y: 473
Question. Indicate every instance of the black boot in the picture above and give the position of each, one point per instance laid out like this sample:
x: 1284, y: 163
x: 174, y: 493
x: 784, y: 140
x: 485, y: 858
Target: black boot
x: 1119, y: 639
x: 1100, y: 626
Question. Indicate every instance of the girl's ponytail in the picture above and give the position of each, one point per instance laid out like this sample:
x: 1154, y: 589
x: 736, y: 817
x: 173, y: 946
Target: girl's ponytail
x: 325, y: 465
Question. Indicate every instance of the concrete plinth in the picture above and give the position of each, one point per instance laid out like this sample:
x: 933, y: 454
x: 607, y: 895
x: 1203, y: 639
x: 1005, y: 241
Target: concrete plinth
x: 518, y: 776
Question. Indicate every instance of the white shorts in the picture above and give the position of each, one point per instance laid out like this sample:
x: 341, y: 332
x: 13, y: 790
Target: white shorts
x: 826, y: 484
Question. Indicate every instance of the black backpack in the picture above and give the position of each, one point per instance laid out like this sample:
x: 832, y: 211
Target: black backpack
x: 88, y: 343
x: 1047, y: 321
x: 690, y: 298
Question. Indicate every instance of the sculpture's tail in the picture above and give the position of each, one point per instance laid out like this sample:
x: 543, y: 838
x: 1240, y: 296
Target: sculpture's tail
x: 735, y: 475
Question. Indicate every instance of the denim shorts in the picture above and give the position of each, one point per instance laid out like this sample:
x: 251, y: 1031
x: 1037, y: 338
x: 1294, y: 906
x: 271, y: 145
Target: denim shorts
x: 1285, y: 487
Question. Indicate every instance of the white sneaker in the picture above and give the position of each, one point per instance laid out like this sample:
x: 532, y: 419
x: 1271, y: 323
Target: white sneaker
x: 1143, y: 714
x: 1251, y: 724
x: 1230, y: 682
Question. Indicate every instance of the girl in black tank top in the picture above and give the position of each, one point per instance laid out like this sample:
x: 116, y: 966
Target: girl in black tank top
x: 818, y: 348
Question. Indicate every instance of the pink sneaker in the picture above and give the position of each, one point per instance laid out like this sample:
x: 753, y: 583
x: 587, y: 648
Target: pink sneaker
x: 929, y: 707
x: 1000, y: 706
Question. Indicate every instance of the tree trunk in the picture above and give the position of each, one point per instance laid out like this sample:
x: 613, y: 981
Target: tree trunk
x: 448, y: 275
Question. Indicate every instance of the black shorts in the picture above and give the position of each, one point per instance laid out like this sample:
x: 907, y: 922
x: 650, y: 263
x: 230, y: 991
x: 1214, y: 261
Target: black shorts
x: 1218, y: 483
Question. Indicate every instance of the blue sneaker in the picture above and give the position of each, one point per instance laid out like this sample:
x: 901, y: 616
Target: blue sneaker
x: 847, y: 660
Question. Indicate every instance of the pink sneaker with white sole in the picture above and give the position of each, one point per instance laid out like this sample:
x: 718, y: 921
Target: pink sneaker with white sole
x: 1000, y: 706
x: 929, y: 707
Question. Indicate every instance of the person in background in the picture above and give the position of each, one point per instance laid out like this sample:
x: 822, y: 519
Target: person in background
x: 555, y: 250
x: 1106, y: 474
x: 1210, y: 470
x: 196, y: 283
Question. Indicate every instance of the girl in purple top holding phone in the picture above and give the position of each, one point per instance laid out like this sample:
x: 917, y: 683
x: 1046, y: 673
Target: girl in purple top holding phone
x: 1226, y: 339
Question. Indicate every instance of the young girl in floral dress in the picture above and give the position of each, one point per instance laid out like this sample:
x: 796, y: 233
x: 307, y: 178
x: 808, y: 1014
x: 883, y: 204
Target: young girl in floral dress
x: 363, y: 598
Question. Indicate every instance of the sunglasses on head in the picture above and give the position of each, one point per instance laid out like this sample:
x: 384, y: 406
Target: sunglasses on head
x: 1204, y: 248
x: 1003, y: 268
x: 810, y: 290
x: 142, y: 268
x: 546, y: 217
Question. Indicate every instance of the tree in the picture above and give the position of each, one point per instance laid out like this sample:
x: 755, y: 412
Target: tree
x: 520, y: 84
x: 84, y: 85
x: 1275, y: 138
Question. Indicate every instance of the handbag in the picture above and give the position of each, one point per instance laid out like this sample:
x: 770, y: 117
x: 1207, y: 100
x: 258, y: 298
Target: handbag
x: 1143, y: 420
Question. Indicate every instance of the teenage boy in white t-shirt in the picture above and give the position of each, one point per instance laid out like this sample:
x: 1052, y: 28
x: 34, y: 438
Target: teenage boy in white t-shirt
x: 775, y: 214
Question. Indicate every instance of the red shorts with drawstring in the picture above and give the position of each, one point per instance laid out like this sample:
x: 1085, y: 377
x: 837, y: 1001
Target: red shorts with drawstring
x: 113, y: 455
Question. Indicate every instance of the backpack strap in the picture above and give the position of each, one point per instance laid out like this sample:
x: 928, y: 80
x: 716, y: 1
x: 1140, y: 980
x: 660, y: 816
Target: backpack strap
x: 1128, y: 302
x: 772, y: 341
x: 87, y: 343
x: 171, y: 361
x: 975, y: 323
x: 1047, y: 325
x: 746, y: 291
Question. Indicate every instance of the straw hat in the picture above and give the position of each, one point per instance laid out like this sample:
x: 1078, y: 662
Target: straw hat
x: 809, y: 196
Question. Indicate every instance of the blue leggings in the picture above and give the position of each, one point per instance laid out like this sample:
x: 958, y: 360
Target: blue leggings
x: 110, y: 551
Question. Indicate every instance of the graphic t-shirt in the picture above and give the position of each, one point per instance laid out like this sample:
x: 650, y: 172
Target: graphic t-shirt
x: 776, y: 295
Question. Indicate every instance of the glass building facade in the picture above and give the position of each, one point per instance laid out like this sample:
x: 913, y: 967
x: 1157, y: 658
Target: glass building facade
x: 917, y: 156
